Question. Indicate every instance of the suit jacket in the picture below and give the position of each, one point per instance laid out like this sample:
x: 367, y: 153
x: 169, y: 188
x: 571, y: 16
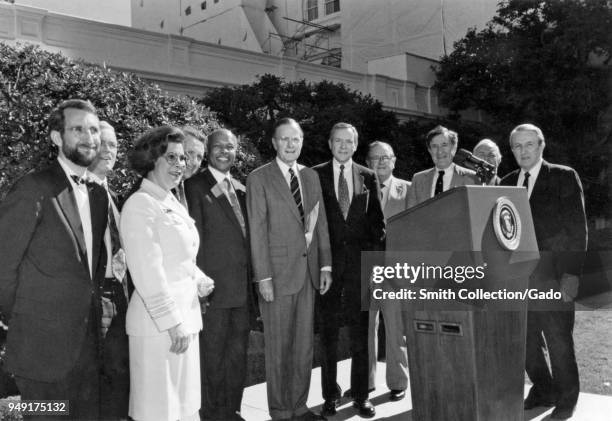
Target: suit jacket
x: 364, y: 227
x: 420, y: 190
x: 221, y: 239
x: 557, y: 208
x: 278, y: 242
x: 45, y: 284
x: 397, y: 199
x: 161, y: 243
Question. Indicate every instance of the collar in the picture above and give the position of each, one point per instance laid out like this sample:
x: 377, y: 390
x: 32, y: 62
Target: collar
x: 70, y: 168
x: 101, y: 181
x: 533, y: 172
x: 219, y: 176
x: 387, y: 182
x: 448, y: 170
x: 348, y: 165
x: 155, y: 190
x: 285, y: 168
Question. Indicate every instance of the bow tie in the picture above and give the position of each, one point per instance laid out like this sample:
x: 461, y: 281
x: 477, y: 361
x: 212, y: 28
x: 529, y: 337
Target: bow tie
x: 80, y: 180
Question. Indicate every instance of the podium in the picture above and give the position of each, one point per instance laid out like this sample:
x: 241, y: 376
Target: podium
x: 466, y: 357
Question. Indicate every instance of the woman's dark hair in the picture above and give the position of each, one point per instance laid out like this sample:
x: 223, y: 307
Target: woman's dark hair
x: 151, y: 145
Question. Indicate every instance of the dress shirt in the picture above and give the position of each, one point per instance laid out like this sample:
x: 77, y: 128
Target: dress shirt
x: 219, y: 177
x: 348, y: 176
x: 533, y: 176
x: 82, y: 200
x: 385, y: 191
x: 446, y: 181
x: 296, y: 170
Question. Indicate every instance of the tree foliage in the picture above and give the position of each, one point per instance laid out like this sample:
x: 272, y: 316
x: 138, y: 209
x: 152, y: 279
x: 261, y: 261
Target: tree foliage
x: 33, y: 82
x: 534, y: 62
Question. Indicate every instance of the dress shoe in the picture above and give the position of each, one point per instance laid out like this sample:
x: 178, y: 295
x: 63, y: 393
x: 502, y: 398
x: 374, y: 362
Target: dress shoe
x: 397, y: 395
x: 311, y: 416
x: 562, y: 413
x: 534, y: 401
x: 348, y: 393
x: 330, y: 406
x: 365, y: 407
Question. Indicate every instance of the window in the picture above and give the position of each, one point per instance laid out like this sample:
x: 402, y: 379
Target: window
x: 188, y: 10
x: 203, y: 5
x: 312, y: 11
x: 332, y: 6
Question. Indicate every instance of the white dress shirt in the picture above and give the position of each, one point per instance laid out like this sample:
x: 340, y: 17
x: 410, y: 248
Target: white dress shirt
x: 296, y: 170
x: 348, y: 176
x: 220, y: 177
x: 82, y: 200
x: 533, y: 176
x: 446, y: 180
x: 384, y: 190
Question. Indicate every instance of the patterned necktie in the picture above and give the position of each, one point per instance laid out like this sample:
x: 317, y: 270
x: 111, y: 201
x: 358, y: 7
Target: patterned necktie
x: 439, y: 183
x: 526, y: 181
x: 343, y: 193
x: 233, y: 199
x: 296, y: 193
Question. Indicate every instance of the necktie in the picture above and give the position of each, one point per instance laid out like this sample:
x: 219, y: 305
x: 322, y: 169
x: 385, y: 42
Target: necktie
x: 112, y: 228
x: 79, y: 180
x: 296, y: 193
x: 343, y: 193
x: 439, y: 183
x: 233, y: 199
x: 526, y: 181
x: 180, y: 194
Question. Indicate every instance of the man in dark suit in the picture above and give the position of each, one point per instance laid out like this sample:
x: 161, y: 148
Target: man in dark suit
x: 356, y: 224
x: 291, y: 260
x: 115, y: 378
x: 488, y: 151
x: 217, y: 203
x: 557, y: 206
x: 442, y: 146
x: 52, y: 261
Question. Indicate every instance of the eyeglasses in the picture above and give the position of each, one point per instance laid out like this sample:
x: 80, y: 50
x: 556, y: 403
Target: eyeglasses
x: 80, y: 130
x: 529, y: 146
x: 376, y: 158
x: 174, y: 158
x: 287, y: 139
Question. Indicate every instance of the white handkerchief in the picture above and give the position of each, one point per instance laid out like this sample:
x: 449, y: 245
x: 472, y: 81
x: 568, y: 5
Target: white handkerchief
x: 310, y: 223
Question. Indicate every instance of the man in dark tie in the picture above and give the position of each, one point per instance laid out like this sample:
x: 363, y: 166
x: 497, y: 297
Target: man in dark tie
x: 115, y: 379
x: 394, y: 199
x: 217, y: 203
x: 356, y: 223
x: 442, y: 145
x: 488, y: 151
x: 52, y: 263
x: 291, y: 260
x: 557, y: 207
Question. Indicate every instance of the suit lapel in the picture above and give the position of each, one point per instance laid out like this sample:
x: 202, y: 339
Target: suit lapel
x: 327, y: 185
x: 541, y: 184
x: 357, y: 181
x: 279, y: 183
x: 426, y: 186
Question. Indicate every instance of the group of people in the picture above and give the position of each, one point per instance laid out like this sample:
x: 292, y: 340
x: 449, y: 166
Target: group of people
x: 189, y: 245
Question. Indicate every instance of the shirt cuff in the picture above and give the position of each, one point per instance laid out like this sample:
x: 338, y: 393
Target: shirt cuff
x: 326, y: 269
x: 265, y: 279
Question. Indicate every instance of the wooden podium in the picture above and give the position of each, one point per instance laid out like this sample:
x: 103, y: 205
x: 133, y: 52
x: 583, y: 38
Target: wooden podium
x: 466, y: 358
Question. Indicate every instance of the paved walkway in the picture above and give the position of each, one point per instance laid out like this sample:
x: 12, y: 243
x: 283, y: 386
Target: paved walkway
x: 254, y: 404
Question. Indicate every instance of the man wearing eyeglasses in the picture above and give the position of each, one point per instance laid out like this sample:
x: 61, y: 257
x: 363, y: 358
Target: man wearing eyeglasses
x: 291, y: 260
x: 356, y: 224
x: 442, y: 145
x: 217, y: 203
x: 488, y: 151
x: 394, y: 199
x: 52, y: 262
x: 557, y: 207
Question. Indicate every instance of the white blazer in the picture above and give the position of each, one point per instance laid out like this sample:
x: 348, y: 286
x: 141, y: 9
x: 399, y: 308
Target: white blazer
x: 161, y: 243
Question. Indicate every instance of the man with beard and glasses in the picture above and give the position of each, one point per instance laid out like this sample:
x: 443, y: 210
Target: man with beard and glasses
x: 52, y: 262
x: 115, y: 381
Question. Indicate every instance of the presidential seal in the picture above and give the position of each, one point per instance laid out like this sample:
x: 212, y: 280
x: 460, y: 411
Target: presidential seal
x: 507, y: 224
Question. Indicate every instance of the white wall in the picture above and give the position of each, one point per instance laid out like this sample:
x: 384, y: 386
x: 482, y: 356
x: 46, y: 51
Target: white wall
x: 112, y: 11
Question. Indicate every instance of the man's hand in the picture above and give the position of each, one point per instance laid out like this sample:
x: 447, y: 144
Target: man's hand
x: 569, y: 287
x: 325, y: 281
x: 266, y: 289
x: 180, y: 339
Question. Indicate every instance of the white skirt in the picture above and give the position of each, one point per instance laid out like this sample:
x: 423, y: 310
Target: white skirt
x: 164, y: 386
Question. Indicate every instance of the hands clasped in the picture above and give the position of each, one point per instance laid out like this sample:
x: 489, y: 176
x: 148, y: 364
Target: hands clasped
x: 180, y: 339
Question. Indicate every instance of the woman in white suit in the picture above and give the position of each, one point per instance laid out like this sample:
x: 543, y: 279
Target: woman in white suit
x: 163, y: 317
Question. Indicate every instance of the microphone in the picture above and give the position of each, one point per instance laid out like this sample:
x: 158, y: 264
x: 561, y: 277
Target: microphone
x: 483, y: 169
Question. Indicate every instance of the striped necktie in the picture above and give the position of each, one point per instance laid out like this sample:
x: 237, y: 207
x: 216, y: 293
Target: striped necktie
x: 296, y: 193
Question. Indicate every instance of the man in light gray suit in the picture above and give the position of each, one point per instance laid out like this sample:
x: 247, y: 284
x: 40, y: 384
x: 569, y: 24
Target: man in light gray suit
x: 291, y: 259
x: 394, y: 200
x: 442, y: 146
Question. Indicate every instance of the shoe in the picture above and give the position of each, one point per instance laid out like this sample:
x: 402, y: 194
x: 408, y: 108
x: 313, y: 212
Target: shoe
x: 349, y: 394
x: 397, y: 395
x: 365, y: 407
x: 535, y: 400
x: 311, y: 416
x: 330, y: 407
x: 562, y: 413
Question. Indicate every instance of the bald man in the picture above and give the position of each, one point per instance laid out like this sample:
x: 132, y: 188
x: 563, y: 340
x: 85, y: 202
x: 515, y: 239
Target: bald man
x: 217, y: 204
